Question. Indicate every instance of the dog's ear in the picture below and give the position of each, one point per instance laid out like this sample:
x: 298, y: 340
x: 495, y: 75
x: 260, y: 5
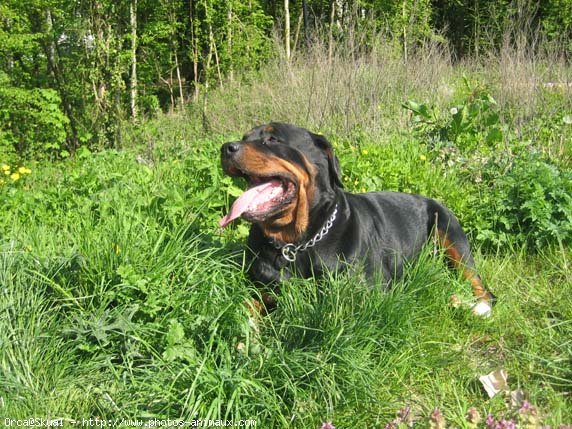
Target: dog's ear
x: 333, y: 163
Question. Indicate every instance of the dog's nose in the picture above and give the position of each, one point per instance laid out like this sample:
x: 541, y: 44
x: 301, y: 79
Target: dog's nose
x: 230, y: 149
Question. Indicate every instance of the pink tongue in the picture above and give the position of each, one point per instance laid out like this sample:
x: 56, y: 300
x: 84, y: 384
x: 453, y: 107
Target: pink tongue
x: 252, y: 198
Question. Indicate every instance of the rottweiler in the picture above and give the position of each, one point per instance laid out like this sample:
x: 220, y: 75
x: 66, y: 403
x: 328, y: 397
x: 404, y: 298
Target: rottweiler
x: 305, y: 224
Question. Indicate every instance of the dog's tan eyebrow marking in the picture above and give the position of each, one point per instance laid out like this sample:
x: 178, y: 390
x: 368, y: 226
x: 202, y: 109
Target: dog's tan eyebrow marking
x: 269, y: 129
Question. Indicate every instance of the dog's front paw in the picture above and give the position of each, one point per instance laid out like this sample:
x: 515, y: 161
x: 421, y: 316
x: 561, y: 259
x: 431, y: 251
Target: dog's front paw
x: 482, y: 309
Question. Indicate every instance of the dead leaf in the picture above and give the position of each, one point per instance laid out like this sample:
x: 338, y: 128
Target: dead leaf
x: 494, y: 382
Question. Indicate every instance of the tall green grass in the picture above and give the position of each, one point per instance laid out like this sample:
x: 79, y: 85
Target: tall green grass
x: 118, y: 298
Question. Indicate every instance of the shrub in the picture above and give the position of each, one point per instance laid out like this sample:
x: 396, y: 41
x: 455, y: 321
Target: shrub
x: 529, y: 201
x: 31, y: 122
x: 468, y: 124
x: 518, y: 196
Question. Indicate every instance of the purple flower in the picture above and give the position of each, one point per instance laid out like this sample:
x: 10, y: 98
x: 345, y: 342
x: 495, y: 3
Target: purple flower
x: 527, y: 408
x: 327, y: 425
x: 473, y: 416
x: 437, y: 419
x: 506, y: 424
x: 491, y: 422
x: 403, y: 413
x: 436, y: 415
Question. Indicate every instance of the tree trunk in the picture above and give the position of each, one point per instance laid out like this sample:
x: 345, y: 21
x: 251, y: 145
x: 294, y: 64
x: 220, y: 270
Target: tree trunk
x: 133, y: 82
x: 212, y: 41
x: 229, y: 41
x: 306, y: 23
x: 179, y: 81
x: 194, y: 53
x: 331, y: 33
x: 206, y: 125
x: 53, y: 56
x: 287, y: 28
x: 296, y: 35
x: 477, y: 28
x: 404, y: 23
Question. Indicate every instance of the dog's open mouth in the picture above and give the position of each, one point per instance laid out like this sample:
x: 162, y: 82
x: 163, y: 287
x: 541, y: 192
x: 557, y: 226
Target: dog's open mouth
x: 265, y: 196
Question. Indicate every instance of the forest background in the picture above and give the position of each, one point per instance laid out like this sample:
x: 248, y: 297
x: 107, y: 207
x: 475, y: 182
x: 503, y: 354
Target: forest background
x: 70, y: 72
x: 120, y: 299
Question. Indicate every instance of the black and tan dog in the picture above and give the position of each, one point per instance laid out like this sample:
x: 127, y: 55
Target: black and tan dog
x: 303, y: 223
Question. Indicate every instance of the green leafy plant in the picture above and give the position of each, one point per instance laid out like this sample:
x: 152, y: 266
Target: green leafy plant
x: 122, y: 296
x: 474, y: 120
x: 517, y: 196
x: 525, y: 200
x: 31, y: 122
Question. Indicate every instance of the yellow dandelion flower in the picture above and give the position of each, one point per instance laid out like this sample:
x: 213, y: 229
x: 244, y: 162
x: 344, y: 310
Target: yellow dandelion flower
x: 15, y: 176
x: 422, y: 157
x: 364, y: 152
x: 356, y: 182
x: 24, y: 170
x: 1, y: 182
x: 7, y: 172
x: 5, y: 167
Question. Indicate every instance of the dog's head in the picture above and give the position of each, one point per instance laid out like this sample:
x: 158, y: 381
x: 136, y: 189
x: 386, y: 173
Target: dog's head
x: 289, y: 171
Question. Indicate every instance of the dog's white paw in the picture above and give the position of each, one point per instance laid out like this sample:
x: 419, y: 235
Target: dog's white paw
x: 482, y: 309
x: 253, y: 324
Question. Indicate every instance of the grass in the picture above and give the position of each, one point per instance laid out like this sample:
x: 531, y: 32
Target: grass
x: 360, y: 89
x: 119, y: 300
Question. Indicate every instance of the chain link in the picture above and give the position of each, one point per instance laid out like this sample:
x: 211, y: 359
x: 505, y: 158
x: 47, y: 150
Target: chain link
x: 290, y: 250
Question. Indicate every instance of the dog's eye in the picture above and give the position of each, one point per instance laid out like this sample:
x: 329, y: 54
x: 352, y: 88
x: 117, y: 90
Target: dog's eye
x: 269, y: 139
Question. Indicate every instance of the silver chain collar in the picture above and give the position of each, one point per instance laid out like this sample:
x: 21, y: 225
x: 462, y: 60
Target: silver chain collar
x: 290, y: 250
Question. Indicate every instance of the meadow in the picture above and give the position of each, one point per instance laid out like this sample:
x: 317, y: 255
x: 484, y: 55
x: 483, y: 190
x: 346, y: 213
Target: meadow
x: 119, y: 298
